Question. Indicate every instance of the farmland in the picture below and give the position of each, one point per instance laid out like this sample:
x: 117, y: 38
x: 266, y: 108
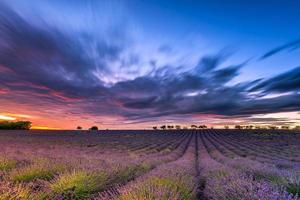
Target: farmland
x: 137, y: 165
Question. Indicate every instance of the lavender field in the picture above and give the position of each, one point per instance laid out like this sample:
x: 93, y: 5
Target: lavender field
x: 150, y: 165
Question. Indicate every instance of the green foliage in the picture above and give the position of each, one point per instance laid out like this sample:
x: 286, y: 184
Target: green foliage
x: 20, y: 125
x: 160, y: 189
x: 272, y: 178
x: 17, y: 192
x: 79, y: 184
x: 36, y: 171
x: 294, y: 189
x: 131, y: 172
x: 7, y: 164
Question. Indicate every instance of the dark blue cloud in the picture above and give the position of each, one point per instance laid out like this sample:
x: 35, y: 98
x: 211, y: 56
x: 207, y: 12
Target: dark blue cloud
x: 285, y: 82
x: 289, y: 46
x: 46, y: 56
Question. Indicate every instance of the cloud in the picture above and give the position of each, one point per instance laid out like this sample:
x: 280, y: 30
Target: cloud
x: 156, y: 96
x: 289, y: 46
x: 53, y: 59
x: 285, y: 82
x: 273, y: 120
x: 235, y: 101
x: 49, y: 68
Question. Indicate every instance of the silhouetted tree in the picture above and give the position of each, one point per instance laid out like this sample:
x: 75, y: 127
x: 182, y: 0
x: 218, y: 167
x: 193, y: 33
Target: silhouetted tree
x: 178, y: 127
x: 249, y: 127
x: 94, y: 128
x: 273, y: 127
x: 202, y: 126
x: 79, y: 128
x: 20, y: 125
x: 226, y: 127
x: 154, y: 127
x: 285, y: 127
x: 170, y: 127
x: 163, y: 127
x: 238, y: 127
x: 194, y: 126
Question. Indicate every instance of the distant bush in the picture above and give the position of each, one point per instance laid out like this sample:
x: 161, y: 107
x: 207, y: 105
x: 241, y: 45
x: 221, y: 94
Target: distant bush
x: 20, y: 125
x: 178, y: 127
x: 238, y: 127
x: 193, y: 126
x: 170, y: 126
x: 94, y: 128
x: 202, y: 126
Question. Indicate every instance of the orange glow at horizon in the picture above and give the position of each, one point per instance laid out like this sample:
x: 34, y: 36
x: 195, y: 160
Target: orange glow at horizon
x: 8, y: 118
x: 43, y: 128
x: 57, y: 119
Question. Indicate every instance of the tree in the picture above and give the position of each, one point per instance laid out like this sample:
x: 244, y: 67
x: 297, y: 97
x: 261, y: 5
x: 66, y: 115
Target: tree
x: 20, y: 125
x: 79, y: 128
x: 285, y: 127
x: 170, y: 127
x: 202, y: 126
x: 178, y: 127
x: 23, y: 125
x: 238, y: 127
x: 248, y: 127
x: 194, y: 126
x: 273, y: 127
x: 94, y: 128
x: 226, y: 127
x: 163, y: 127
x: 154, y: 127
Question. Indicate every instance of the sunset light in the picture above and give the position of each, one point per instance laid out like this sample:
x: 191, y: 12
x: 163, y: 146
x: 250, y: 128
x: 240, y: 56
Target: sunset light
x: 149, y: 99
x: 3, y: 117
x: 43, y: 128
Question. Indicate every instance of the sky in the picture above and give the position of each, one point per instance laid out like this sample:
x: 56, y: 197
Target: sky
x: 136, y: 64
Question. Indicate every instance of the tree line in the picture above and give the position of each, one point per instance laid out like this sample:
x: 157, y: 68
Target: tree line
x: 178, y: 127
x: 93, y: 128
x: 267, y: 127
x: 19, y: 125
